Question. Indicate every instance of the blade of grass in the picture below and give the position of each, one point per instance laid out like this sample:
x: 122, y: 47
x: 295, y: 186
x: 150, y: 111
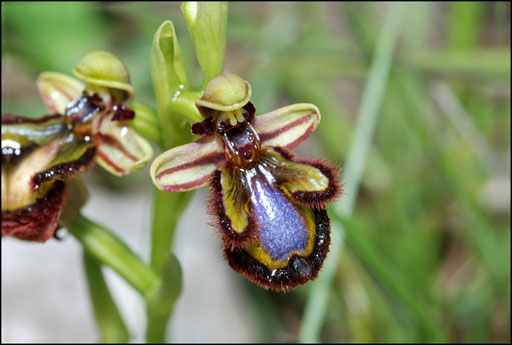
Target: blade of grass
x: 317, y: 302
x: 466, y: 19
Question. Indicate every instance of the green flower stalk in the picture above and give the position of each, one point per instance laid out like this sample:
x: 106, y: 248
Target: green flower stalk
x: 176, y: 110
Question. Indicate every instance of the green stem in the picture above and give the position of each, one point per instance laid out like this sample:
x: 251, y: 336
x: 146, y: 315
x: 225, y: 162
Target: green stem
x: 167, y: 209
x: 156, y: 326
x: 317, y: 303
x: 161, y: 302
x: 109, y: 250
x: 110, y: 324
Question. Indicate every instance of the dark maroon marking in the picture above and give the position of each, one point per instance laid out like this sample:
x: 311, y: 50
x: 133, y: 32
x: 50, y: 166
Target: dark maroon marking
x: 222, y: 223
x: 316, y: 199
x: 36, y: 222
x: 264, y: 136
x: 13, y: 156
x: 9, y: 119
x: 63, y: 171
x: 211, y: 158
x: 122, y: 113
x: 299, y: 270
x: 187, y: 186
x: 205, y: 128
x: 251, y: 110
x: 84, y: 108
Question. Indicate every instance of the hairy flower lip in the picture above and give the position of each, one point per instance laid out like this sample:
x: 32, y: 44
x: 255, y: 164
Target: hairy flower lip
x: 36, y: 222
x: 299, y: 269
x: 64, y: 170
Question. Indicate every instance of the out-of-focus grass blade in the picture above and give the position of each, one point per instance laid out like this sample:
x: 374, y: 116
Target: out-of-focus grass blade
x: 491, y: 63
x: 465, y: 23
x: 316, y: 306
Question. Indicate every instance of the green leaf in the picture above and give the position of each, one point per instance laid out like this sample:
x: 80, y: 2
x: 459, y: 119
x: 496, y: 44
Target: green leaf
x: 108, y: 319
x: 111, y: 251
x: 206, y: 23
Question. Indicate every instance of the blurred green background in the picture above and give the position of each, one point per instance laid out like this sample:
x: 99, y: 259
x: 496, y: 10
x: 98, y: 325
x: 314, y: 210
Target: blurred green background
x: 426, y: 255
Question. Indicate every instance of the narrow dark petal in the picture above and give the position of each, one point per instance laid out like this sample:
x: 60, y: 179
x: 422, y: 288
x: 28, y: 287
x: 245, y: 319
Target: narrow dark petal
x: 122, y: 113
x: 36, y: 222
x: 250, y: 111
x: 204, y: 128
x: 317, y: 198
x: 298, y: 271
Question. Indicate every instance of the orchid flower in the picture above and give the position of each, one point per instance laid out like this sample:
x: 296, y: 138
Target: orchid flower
x: 39, y: 155
x: 268, y: 206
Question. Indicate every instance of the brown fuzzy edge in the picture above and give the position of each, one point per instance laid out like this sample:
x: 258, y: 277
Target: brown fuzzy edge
x: 317, y: 200
x: 288, y: 277
x: 63, y: 171
x: 222, y: 223
x: 36, y: 222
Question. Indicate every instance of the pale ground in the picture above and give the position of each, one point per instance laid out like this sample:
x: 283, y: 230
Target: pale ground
x: 45, y: 298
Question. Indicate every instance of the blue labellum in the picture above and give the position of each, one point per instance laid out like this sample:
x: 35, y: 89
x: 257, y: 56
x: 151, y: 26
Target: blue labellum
x: 281, y: 228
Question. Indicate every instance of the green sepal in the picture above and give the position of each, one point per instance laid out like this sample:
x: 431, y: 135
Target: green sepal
x: 169, y: 80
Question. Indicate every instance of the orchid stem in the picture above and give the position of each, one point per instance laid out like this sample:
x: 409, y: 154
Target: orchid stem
x: 167, y: 209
